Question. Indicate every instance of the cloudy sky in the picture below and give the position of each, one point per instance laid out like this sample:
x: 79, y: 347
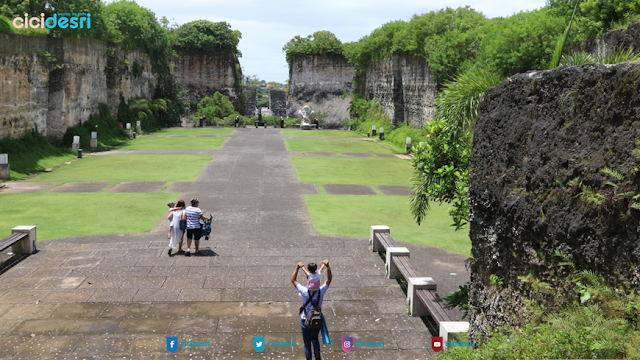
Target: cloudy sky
x: 267, y: 25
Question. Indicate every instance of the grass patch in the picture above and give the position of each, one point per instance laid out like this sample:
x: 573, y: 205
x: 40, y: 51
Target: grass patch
x: 32, y: 153
x: 352, y: 215
x: 169, y: 143
x: 344, y: 170
x: 323, y: 133
x: 336, y: 146
x: 57, y: 215
x: 195, y: 131
x: 118, y: 168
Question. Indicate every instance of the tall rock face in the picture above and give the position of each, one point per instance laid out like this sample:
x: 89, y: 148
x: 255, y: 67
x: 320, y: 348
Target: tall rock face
x: 320, y: 82
x: 202, y: 74
x: 404, y: 87
x: 538, y: 189
x: 53, y: 84
x: 278, y: 103
x: 624, y: 38
x: 250, y: 107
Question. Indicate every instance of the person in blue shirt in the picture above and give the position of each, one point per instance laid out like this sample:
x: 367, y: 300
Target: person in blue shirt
x: 310, y: 336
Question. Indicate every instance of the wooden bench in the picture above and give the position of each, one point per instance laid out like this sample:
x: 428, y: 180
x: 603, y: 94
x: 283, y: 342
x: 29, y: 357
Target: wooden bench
x: 22, y: 239
x: 422, y: 298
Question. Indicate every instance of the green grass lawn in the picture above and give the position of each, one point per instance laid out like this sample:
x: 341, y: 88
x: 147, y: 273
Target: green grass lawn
x: 67, y: 215
x: 195, y: 131
x: 40, y: 165
x: 323, y: 133
x: 352, y: 215
x: 118, y: 168
x: 344, y: 170
x: 171, y: 143
x: 336, y: 146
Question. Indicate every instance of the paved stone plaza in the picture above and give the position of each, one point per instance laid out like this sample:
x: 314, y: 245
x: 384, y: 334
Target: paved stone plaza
x: 118, y: 296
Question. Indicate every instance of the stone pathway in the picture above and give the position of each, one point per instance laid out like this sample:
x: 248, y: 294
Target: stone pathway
x: 120, y: 295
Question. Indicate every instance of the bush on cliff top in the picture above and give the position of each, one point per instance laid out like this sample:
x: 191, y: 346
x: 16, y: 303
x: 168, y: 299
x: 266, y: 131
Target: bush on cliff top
x: 208, y: 36
x: 323, y: 43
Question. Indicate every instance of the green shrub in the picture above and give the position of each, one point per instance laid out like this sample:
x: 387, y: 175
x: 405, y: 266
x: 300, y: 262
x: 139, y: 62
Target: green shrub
x: 605, y: 325
x: 26, y: 151
x: 109, y: 131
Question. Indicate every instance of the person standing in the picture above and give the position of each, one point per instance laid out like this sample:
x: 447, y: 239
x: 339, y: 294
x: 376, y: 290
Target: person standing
x: 309, y: 298
x: 177, y: 215
x: 194, y: 230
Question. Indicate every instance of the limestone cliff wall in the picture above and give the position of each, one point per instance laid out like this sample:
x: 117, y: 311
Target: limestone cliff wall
x: 320, y: 82
x: 202, y: 74
x: 404, y: 87
x: 54, y: 95
x: 250, y: 109
x: 278, y: 103
x: 623, y: 38
x: 541, y: 141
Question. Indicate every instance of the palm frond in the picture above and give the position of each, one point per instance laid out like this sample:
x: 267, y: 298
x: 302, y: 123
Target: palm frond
x: 577, y: 58
x: 619, y: 55
x: 555, y: 61
x: 460, y: 99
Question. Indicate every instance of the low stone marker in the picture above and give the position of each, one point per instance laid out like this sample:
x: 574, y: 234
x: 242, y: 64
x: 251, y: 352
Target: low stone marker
x: 381, y: 133
x: 76, y: 143
x: 4, y: 167
x: 373, y: 130
x: 129, y: 130
x: 94, y: 139
x: 407, y: 145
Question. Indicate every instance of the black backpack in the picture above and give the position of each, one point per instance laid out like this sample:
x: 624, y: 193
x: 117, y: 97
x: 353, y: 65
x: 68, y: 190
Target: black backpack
x: 314, y: 316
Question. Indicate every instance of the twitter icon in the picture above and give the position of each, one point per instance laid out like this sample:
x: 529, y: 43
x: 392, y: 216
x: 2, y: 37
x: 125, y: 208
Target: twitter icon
x: 258, y: 343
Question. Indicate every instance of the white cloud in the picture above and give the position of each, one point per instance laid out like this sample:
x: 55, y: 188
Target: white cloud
x: 267, y: 26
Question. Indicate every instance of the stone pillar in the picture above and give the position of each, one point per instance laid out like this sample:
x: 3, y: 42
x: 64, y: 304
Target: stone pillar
x: 94, y: 139
x: 76, y: 143
x: 28, y: 245
x: 4, y: 167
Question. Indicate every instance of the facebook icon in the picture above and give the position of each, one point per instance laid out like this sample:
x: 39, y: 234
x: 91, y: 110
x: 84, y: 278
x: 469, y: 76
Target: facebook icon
x: 172, y: 343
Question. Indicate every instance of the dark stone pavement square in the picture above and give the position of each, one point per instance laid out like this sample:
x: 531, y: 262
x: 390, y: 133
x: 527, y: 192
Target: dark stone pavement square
x: 387, y: 156
x: 394, y: 190
x: 80, y: 187
x: 362, y: 155
x: 345, y: 189
x: 308, y: 188
x: 138, y: 187
x: 59, y: 345
x: 319, y: 153
x: 24, y: 187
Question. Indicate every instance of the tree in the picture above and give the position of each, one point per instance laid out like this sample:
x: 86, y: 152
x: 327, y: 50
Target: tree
x: 323, y: 43
x: 208, y: 36
x: 137, y: 27
x: 219, y: 106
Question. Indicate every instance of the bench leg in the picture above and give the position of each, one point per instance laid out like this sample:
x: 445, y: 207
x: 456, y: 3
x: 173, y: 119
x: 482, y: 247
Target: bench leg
x: 391, y: 269
x: 28, y: 244
x: 416, y: 307
x: 377, y: 229
x: 448, y: 329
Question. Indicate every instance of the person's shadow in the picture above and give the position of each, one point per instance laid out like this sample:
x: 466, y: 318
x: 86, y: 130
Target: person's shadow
x: 205, y: 252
